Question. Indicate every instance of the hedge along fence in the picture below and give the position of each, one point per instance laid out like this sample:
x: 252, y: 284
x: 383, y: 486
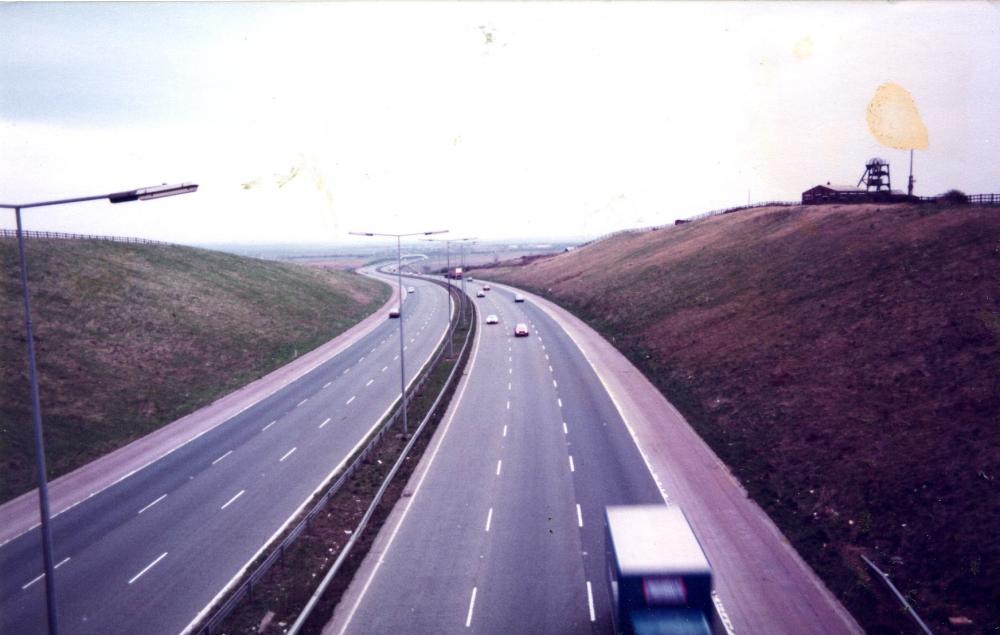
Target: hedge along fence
x: 211, y: 625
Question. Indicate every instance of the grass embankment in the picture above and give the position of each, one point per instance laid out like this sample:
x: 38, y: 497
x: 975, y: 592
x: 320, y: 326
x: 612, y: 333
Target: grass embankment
x: 131, y: 337
x: 844, y: 361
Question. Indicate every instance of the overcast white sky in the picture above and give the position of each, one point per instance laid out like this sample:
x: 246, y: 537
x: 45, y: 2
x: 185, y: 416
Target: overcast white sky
x: 496, y: 120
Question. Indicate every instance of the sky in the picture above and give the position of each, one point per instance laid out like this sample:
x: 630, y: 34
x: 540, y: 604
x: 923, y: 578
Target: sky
x: 303, y: 121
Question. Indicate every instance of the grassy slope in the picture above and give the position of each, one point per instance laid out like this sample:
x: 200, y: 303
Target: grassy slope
x: 845, y: 362
x: 130, y: 337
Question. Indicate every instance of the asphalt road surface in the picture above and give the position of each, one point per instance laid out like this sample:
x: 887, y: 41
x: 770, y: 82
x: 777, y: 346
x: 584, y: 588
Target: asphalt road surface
x: 504, y: 532
x: 150, y: 553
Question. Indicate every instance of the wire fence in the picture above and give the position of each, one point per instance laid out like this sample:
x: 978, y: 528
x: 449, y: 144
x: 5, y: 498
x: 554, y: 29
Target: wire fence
x: 245, y: 589
x: 30, y: 234
x: 984, y: 199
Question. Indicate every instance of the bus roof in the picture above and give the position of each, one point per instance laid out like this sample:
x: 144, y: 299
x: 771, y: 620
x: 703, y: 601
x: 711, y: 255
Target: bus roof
x: 654, y: 539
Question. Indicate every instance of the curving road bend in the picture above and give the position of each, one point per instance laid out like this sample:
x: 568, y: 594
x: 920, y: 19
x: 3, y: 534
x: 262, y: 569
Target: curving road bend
x: 502, y: 531
x: 151, y: 552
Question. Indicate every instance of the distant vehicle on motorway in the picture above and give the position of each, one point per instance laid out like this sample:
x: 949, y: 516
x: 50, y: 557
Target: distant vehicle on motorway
x: 518, y: 297
x: 521, y: 330
x: 480, y: 294
x: 394, y: 312
x: 659, y: 579
x: 486, y: 287
x: 492, y: 319
x: 411, y: 290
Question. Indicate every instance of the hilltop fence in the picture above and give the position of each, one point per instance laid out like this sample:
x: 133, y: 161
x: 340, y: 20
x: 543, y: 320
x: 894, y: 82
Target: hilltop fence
x: 28, y: 234
x: 971, y: 199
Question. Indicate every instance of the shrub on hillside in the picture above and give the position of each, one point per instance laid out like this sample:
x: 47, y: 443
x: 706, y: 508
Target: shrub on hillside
x: 955, y: 197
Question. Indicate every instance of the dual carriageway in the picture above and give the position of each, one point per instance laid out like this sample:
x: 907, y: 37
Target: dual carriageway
x: 501, y: 533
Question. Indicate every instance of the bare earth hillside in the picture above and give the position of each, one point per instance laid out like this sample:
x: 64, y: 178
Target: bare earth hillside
x: 131, y: 337
x: 844, y: 361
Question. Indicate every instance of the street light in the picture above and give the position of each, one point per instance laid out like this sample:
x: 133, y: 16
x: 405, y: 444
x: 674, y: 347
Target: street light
x: 399, y: 280
x: 464, y: 274
x: 447, y: 242
x: 141, y: 194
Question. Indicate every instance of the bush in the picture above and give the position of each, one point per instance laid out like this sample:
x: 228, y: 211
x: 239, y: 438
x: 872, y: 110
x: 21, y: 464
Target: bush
x: 955, y: 197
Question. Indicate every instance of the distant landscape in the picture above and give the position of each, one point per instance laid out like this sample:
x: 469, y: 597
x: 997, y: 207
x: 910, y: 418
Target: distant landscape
x: 844, y: 361
x: 131, y: 337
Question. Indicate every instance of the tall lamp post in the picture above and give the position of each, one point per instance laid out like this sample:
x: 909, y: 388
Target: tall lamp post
x: 399, y: 280
x: 447, y: 244
x: 141, y: 194
x: 471, y: 241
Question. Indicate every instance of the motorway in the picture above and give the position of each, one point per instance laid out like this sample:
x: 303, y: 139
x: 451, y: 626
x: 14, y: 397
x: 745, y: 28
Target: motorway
x: 503, y: 530
x: 151, y: 553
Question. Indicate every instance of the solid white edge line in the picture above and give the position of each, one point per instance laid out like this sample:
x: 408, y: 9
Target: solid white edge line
x: 392, y: 537
x: 621, y: 415
x: 287, y: 454
x: 148, y: 567
x: 489, y: 519
x: 579, y: 515
x: 324, y: 423
x: 472, y: 605
x: 222, y: 457
x: 232, y: 581
x: 61, y: 563
x: 590, y: 602
x: 153, y: 503
x: 232, y: 500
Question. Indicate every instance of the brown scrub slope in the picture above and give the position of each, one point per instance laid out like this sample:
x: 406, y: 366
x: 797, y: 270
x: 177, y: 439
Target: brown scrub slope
x: 131, y: 337
x: 844, y: 361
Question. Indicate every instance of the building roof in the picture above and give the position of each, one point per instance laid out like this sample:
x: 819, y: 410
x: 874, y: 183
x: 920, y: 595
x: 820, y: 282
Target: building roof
x: 838, y: 187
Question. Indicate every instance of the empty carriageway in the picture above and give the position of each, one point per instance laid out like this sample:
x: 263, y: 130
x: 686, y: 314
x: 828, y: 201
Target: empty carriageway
x: 503, y: 530
x: 150, y: 553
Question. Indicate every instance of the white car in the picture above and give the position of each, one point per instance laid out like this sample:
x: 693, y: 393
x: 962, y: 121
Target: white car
x: 394, y: 312
x: 518, y: 297
x: 480, y: 294
x: 411, y: 290
x: 521, y: 330
x: 492, y: 319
